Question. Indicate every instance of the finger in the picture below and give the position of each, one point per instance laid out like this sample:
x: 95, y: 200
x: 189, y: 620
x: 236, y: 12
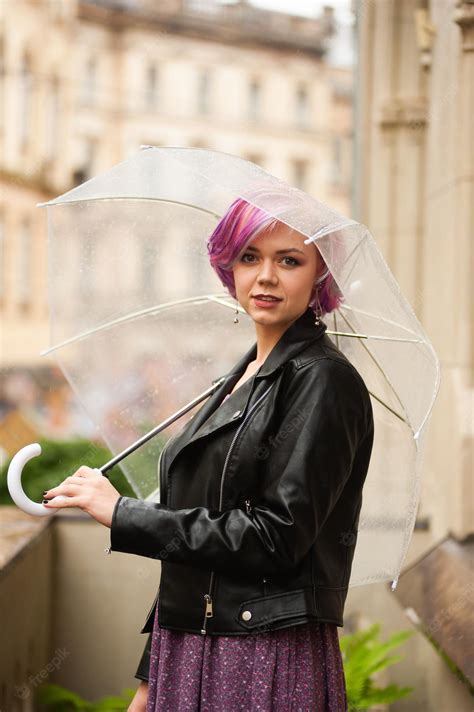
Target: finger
x: 59, y: 502
x: 72, y: 479
x: 75, y: 480
x: 86, y: 472
x: 68, y: 490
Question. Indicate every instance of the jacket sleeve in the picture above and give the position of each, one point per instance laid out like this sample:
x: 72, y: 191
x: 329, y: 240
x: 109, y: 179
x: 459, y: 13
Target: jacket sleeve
x: 143, y: 669
x: 309, y: 463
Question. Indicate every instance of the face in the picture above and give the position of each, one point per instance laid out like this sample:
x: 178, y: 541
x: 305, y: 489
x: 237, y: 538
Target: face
x: 277, y: 263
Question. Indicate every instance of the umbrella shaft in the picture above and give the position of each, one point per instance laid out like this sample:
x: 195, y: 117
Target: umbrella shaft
x: 134, y: 446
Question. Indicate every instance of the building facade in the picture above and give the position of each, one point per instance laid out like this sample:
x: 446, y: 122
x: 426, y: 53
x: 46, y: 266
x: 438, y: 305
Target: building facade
x: 84, y: 84
x: 415, y: 190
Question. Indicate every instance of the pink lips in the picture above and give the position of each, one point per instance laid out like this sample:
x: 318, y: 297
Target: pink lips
x: 266, y: 303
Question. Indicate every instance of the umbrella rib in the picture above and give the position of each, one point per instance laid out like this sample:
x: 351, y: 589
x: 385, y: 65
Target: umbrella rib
x: 168, y: 305
x: 128, y: 197
x: 348, y: 257
x: 221, y: 300
x: 130, y: 317
x: 379, y: 318
x: 361, y: 336
x: 389, y: 408
x: 328, y: 230
x: 406, y: 419
x: 336, y: 333
x: 374, y: 337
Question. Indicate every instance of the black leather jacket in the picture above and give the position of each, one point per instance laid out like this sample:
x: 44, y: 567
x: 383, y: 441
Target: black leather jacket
x: 259, y: 498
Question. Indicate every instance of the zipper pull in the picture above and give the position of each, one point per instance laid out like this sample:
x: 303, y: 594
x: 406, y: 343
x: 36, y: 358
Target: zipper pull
x: 208, y: 598
x: 247, y: 506
x: 108, y: 549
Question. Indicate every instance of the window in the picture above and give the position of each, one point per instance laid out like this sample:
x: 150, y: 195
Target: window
x: 300, y: 174
x: 24, y: 263
x: 151, y: 87
x: 26, y: 96
x: 203, y: 91
x: 89, y: 82
x: 89, y: 150
x: 86, y: 160
x: 52, y: 118
x: 302, y: 108
x: 336, y: 176
x: 254, y: 100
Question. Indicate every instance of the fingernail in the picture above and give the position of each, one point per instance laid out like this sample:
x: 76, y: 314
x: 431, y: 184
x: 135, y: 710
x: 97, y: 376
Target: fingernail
x: 45, y: 501
x: 45, y: 492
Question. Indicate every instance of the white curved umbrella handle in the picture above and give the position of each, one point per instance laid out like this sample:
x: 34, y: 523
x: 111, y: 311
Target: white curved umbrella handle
x: 15, y: 488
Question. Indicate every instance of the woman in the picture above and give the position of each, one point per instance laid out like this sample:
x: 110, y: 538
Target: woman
x: 260, y: 495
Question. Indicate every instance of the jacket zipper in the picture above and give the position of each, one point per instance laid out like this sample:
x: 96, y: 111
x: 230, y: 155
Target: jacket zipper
x: 108, y: 549
x: 208, y: 613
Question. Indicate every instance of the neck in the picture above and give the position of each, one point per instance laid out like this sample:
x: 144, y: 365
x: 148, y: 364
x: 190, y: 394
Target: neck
x: 267, y: 338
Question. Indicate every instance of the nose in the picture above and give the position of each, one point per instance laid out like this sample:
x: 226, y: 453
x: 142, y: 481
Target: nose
x: 267, y: 273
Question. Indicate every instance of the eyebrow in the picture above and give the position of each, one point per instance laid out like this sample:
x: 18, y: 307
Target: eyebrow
x: 278, y: 252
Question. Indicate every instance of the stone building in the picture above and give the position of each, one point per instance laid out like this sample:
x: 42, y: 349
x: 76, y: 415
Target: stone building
x: 84, y: 84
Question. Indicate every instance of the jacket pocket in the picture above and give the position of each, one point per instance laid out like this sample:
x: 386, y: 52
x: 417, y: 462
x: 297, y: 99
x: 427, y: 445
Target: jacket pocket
x: 261, y: 612
x: 249, y: 510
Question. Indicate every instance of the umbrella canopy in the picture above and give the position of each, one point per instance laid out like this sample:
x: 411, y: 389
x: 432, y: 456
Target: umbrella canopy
x: 140, y: 323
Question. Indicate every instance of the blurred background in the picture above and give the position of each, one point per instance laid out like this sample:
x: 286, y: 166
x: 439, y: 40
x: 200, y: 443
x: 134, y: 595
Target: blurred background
x: 366, y: 105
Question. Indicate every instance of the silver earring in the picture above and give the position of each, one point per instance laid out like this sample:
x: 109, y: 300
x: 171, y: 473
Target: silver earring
x: 319, y: 312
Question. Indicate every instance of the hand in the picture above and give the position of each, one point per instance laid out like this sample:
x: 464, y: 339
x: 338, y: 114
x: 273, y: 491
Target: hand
x: 138, y: 704
x: 89, y: 491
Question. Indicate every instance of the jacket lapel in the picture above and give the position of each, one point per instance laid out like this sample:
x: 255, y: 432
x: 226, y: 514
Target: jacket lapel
x: 296, y: 338
x: 203, y: 422
x: 212, y: 415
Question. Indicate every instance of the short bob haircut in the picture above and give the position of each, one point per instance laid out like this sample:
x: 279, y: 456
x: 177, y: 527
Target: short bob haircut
x: 236, y: 229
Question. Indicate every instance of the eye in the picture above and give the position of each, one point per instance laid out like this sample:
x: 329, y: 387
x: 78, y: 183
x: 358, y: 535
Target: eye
x: 247, y: 254
x: 295, y: 262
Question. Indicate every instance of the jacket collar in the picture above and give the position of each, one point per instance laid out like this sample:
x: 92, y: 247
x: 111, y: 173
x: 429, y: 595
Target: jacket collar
x: 293, y: 340
x: 215, y: 414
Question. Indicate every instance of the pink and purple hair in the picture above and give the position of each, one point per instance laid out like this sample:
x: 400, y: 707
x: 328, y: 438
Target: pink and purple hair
x: 236, y: 229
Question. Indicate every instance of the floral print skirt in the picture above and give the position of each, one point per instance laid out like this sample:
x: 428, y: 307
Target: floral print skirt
x: 295, y: 669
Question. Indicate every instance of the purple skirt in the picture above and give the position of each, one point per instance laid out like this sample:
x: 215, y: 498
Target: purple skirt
x: 297, y: 669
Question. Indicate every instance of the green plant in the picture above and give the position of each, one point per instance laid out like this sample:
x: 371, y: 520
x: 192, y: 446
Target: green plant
x: 58, y: 460
x: 363, y: 656
x: 55, y: 698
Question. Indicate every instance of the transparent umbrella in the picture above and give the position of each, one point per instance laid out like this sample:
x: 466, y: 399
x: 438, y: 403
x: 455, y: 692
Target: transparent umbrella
x: 140, y: 324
